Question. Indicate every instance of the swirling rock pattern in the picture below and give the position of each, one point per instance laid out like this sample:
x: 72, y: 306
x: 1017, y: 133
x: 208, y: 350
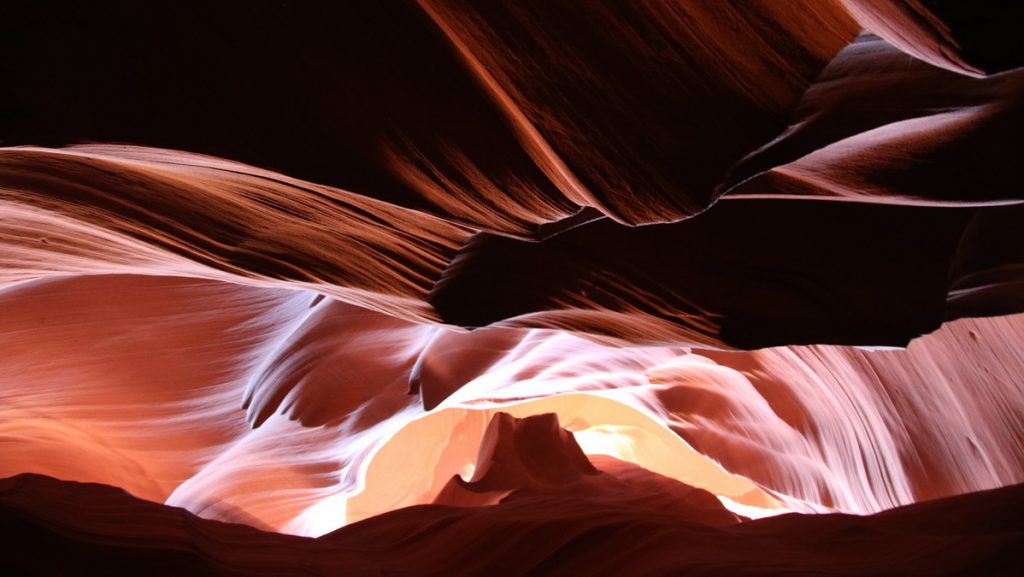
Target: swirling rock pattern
x: 446, y: 269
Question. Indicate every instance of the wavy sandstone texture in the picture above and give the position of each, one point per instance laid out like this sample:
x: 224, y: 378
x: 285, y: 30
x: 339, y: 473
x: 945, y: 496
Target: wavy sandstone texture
x: 535, y: 287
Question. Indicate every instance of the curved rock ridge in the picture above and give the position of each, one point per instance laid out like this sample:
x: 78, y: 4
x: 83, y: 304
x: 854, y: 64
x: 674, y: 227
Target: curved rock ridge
x: 87, y: 529
x: 287, y: 411
x: 973, y: 38
x: 119, y: 209
x: 878, y: 127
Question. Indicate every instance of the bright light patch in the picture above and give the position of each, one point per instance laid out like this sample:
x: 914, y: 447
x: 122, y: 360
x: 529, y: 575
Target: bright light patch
x: 750, y: 511
x: 322, y: 518
x: 614, y: 441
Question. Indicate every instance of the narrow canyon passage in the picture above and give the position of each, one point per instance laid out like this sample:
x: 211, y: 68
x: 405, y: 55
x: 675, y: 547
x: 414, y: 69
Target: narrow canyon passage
x: 512, y: 288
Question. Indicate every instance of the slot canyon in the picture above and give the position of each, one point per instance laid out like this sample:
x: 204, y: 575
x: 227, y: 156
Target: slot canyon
x: 512, y: 287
